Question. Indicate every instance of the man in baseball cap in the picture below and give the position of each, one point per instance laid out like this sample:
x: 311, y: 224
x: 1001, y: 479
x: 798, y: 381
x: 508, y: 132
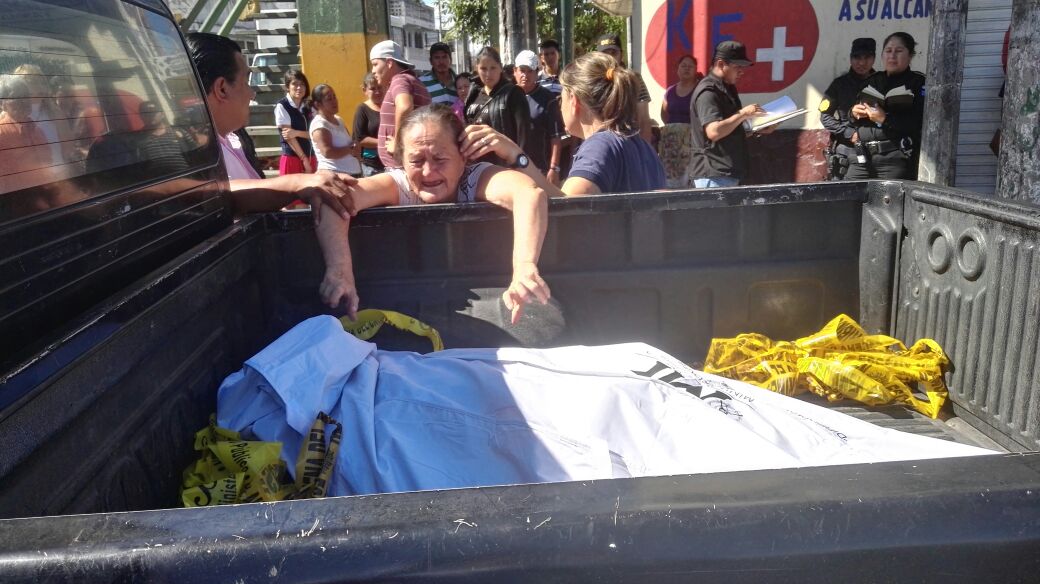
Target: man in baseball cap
x: 838, y: 100
x: 402, y: 92
x: 717, y: 133
x: 546, y: 130
x: 389, y: 50
x: 440, y: 80
x: 733, y: 52
x: 610, y: 44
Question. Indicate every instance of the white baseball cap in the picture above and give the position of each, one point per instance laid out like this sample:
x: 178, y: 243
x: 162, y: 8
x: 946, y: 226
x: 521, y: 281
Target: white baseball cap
x: 526, y: 59
x: 389, y: 50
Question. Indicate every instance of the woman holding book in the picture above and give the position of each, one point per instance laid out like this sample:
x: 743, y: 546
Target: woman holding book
x: 889, y: 115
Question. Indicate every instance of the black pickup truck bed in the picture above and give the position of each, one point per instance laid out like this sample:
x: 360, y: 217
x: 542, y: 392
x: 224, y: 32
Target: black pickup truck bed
x: 106, y: 428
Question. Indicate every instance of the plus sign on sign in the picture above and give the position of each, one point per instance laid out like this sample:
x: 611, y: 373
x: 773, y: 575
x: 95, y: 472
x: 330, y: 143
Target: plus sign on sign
x: 780, y: 37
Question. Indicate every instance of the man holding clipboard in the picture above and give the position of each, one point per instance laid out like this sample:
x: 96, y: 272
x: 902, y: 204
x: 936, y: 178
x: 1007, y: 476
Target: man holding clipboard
x: 719, y: 156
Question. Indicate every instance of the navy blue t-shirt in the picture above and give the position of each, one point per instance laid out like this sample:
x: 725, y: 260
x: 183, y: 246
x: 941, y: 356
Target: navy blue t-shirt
x: 618, y: 164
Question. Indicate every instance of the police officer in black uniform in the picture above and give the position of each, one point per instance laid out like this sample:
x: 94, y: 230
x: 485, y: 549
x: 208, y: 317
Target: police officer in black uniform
x: 838, y: 101
x: 888, y: 137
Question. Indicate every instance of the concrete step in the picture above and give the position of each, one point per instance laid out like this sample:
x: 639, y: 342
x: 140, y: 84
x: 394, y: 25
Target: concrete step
x: 290, y: 32
x: 261, y: 114
x: 274, y: 69
x: 269, y: 98
x: 267, y: 5
x: 266, y: 14
x: 269, y: 152
x: 263, y: 131
x: 292, y: 50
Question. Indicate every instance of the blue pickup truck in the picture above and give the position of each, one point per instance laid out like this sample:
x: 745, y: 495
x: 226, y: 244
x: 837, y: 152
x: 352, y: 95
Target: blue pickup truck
x: 128, y: 291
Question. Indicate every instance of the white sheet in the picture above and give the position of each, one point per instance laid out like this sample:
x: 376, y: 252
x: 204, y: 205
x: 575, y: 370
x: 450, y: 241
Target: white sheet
x: 476, y: 417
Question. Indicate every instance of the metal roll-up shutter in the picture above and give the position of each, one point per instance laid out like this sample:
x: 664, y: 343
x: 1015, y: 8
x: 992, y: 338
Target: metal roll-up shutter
x: 988, y: 20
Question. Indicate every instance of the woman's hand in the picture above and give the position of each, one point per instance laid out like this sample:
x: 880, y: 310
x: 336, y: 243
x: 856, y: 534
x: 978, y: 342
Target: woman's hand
x: 306, y: 164
x: 527, y: 286
x: 876, y: 114
x: 338, y: 286
x: 478, y: 141
x: 288, y: 132
x: 860, y: 111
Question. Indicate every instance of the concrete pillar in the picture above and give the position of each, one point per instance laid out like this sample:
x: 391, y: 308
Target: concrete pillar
x: 942, y: 105
x: 335, y: 37
x: 1018, y: 171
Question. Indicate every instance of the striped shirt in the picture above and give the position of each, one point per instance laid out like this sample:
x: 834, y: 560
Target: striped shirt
x: 401, y: 83
x: 438, y: 92
x: 550, y: 82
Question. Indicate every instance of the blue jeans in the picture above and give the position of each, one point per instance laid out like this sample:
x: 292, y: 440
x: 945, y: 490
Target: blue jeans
x: 718, y: 181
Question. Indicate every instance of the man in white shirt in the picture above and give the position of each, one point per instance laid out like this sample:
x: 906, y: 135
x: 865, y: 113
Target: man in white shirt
x: 225, y: 78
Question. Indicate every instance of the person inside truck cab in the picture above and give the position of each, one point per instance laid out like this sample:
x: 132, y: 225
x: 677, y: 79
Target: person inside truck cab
x: 225, y: 79
x: 435, y: 166
x: 19, y: 133
x: 888, y: 137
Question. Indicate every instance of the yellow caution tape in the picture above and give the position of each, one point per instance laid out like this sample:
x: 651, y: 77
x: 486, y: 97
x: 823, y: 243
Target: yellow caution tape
x: 370, y: 320
x: 840, y: 361
x: 231, y: 470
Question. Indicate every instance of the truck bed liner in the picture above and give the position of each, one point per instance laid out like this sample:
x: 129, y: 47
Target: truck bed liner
x: 903, y: 419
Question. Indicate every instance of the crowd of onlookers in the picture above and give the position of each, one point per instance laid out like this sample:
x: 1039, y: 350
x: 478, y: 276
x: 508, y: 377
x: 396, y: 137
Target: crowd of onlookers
x: 525, y: 102
x: 529, y: 103
x: 584, y: 129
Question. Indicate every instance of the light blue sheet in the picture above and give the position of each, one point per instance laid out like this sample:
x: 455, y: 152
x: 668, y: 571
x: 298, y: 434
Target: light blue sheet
x: 476, y: 417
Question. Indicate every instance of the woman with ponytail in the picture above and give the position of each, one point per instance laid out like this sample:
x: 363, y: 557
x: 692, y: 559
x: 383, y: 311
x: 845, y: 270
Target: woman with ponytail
x: 599, y: 105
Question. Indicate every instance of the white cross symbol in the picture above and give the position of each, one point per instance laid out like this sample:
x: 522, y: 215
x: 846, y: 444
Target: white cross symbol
x: 780, y: 53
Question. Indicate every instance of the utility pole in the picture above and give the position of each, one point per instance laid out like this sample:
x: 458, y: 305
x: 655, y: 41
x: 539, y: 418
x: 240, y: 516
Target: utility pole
x: 1018, y: 170
x: 942, y: 103
x: 494, y: 18
x: 517, y: 29
x: 565, y: 35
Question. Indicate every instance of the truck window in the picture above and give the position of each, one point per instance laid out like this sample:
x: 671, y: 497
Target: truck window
x: 94, y: 98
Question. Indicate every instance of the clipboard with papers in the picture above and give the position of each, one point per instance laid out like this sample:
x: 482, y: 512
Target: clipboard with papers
x: 777, y: 111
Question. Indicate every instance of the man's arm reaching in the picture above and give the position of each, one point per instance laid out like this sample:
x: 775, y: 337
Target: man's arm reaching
x: 261, y: 196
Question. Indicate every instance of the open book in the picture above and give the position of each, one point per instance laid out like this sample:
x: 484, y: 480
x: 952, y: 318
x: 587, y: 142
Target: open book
x: 899, y: 96
x: 778, y: 110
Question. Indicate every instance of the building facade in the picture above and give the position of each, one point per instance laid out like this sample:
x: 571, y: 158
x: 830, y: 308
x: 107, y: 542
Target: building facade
x: 412, y: 25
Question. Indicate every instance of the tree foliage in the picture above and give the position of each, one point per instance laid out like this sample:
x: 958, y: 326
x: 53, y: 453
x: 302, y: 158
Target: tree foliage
x: 471, y: 17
